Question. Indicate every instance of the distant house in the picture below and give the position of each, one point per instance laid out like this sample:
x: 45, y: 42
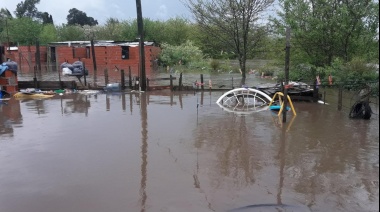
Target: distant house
x: 109, y: 54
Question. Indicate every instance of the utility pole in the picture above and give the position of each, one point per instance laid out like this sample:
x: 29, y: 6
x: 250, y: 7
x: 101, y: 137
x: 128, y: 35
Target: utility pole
x: 38, y: 55
x: 141, y: 40
x: 287, y: 58
x: 6, y: 24
x: 94, y: 61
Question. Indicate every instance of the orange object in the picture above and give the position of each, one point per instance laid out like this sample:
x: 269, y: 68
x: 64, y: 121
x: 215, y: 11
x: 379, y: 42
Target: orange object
x: 288, y: 86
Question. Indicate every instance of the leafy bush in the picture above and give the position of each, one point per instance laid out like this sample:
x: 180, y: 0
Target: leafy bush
x: 185, y: 53
x: 352, y: 75
x: 214, y: 64
x: 357, y: 73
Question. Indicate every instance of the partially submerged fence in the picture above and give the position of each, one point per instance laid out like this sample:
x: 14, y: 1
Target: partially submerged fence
x: 344, y: 95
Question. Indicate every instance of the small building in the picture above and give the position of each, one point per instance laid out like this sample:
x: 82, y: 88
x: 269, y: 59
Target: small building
x: 109, y: 55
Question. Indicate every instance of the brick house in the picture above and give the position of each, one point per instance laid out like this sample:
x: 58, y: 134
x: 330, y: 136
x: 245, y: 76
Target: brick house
x: 109, y: 54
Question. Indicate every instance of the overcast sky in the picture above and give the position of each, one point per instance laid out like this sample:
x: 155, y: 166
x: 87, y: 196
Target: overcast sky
x: 101, y: 10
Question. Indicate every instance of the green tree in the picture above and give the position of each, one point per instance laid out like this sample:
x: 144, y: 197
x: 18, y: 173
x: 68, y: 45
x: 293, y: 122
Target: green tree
x: 46, y: 18
x: 4, y: 13
x: 176, y: 31
x: 48, y: 34
x: 324, y: 29
x: 70, y: 33
x: 5, y: 16
x: 28, y: 9
x: 24, y: 31
x: 112, y: 30
x: 76, y: 16
x: 231, y: 22
x: 186, y: 53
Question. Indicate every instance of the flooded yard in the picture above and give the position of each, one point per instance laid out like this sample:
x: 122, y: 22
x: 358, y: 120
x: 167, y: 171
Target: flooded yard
x: 164, y: 151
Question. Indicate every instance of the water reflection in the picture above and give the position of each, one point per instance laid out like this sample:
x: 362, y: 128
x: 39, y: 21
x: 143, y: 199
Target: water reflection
x: 76, y: 103
x: 144, y: 151
x: 10, y: 116
x: 181, y: 152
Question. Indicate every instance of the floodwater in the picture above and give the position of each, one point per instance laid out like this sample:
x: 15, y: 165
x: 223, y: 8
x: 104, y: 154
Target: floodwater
x: 180, y: 152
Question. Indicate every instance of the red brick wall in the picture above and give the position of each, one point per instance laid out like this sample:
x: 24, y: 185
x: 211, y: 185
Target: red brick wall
x: 80, y: 52
x: 64, y: 54
x: 27, y: 55
x: 107, y: 57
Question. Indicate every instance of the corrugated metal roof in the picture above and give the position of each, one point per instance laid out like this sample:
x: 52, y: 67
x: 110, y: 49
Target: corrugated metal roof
x: 101, y: 43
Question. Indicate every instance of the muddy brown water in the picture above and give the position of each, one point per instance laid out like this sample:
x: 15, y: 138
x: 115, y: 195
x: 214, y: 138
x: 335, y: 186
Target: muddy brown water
x: 181, y: 152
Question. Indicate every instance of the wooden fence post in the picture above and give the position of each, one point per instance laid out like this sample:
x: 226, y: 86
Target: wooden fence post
x: 340, y: 98
x: 180, y: 82
x: 130, y: 78
x: 202, y: 86
x: 106, y: 76
x: 171, y: 82
x: 315, y: 92
x: 35, y: 77
x: 94, y: 62
x: 122, y: 80
x: 84, y: 74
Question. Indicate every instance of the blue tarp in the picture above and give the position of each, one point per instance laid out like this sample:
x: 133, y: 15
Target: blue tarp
x: 3, y: 69
x: 9, y: 65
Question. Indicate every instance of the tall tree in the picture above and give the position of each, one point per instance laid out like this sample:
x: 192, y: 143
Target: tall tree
x: 230, y: 22
x: 46, y: 18
x: 4, y: 13
x: 48, y: 34
x: 5, y: 16
x: 76, y: 16
x: 326, y: 29
x: 70, y: 33
x: 24, y: 31
x: 28, y: 9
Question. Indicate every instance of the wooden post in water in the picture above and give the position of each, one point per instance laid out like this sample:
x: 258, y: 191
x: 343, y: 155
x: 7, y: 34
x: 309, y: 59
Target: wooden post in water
x: 171, y: 82
x: 106, y: 76
x: 140, y: 29
x: 340, y: 98
x: 84, y: 74
x: 35, y: 78
x: 130, y: 78
x: 147, y: 84
x: 180, y: 82
x: 287, y: 59
x: 94, y: 61
x: 315, y: 92
x: 122, y: 80
x: 59, y: 78
x: 38, y: 55
x: 202, y: 86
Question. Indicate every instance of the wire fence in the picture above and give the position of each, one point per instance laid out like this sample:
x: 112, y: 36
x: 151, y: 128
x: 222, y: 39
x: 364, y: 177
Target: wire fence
x: 343, y: 97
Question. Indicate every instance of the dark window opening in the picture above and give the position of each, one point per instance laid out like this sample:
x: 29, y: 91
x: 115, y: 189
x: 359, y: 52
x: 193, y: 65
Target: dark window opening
x: 125, y: 52
x: 88, y: 55
x: 52, y: 54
